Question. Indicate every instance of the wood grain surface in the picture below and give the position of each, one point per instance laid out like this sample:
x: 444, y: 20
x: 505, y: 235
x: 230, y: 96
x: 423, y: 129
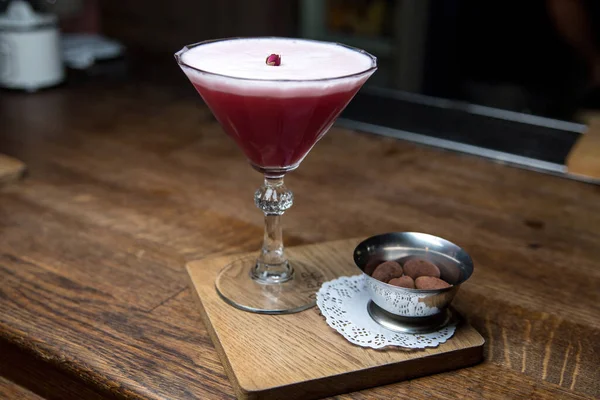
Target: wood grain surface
x: 129, y: 180
x: 10, y: 390
x: 298, y: 356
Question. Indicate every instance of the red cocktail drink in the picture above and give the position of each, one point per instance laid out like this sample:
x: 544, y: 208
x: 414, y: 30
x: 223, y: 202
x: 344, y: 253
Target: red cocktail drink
x: 275, y: 132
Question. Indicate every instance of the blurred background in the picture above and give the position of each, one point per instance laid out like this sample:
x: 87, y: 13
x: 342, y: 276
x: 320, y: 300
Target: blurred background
x: 512, y: 79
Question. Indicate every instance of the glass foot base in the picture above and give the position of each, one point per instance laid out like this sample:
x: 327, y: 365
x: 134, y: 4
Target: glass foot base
x: 414, y: 325
x: 237, y: 288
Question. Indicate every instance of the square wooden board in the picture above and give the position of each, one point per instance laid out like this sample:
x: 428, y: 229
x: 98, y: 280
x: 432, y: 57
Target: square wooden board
x: 298, y: 356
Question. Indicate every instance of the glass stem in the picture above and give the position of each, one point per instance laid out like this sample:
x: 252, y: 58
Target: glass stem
x: 273, y: 198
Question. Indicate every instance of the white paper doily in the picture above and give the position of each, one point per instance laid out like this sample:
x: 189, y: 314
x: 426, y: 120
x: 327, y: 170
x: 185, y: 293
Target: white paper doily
x: 343, y: 303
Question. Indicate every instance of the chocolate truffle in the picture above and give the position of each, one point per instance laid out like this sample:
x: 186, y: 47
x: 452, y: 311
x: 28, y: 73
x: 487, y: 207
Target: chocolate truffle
x: 371, y: 265
x: 388, y: 270
x: 404, y: 281
x: 430, y: 282
x: 416, y: 267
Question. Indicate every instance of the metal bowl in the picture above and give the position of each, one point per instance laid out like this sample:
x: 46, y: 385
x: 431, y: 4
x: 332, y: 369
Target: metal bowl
x: 412, y: 310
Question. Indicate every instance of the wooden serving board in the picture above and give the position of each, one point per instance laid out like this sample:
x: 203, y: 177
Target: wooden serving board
x: 584, y: 158
x: 11, y: 169
x: 298, y: 356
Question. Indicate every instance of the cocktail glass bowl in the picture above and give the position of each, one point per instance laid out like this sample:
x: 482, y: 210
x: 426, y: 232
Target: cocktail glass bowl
x: 275, y: 122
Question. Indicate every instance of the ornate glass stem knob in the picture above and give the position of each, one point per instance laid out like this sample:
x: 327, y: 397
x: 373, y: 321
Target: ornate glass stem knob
x: 273, y: 198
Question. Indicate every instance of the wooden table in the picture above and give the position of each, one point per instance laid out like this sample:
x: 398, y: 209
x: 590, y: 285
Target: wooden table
x: 129, y: 181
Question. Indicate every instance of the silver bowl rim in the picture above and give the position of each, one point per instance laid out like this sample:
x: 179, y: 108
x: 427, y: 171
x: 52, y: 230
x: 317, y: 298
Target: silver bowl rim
x: 408, y: 290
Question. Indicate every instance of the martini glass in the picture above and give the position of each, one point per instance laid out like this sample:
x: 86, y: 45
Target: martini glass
x: 275, y: 121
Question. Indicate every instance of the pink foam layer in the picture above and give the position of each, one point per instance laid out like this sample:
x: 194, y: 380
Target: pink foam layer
x: 308, y: 67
